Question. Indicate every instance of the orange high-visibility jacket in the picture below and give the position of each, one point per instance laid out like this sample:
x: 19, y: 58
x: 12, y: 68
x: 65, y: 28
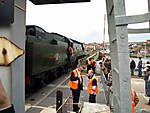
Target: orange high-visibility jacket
x: 70, y: 50
x: 94, y: 64
x: 133, y: 98
x: 74, y: 84
x: 90, y: 86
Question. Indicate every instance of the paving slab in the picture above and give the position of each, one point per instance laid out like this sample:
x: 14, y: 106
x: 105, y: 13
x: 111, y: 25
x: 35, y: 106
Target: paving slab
x: 95, y: 108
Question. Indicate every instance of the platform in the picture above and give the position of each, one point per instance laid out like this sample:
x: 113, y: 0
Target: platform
x: 44, y: 101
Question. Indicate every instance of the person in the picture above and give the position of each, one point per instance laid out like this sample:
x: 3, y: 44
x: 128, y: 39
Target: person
x: 92, y: 86
x: 70, y: 52
x: 76, y: 85
x: 93, y: 65
x: 147, y: 83
x: 104, y: 69
x: 88, y: 62
x: 140, y: 67
x: 134, y: 99
x: 132, y: 66
x: 109, y: 80
x: 5, y: 106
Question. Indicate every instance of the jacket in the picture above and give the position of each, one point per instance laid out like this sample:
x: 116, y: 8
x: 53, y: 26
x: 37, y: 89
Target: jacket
x: 76, y: 80
x: 92, y: 85
x: 8, y: 110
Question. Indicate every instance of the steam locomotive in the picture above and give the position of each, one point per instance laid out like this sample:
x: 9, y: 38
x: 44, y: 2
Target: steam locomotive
x: 47, y: 54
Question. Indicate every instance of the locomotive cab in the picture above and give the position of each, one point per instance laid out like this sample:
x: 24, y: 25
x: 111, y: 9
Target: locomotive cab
x: 35, y: 31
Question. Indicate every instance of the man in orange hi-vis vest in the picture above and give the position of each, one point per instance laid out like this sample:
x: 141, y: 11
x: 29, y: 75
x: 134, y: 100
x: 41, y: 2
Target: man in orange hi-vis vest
x: 93, y: 64
x: 88, y: 63
x: 70, y: 52
x: 92, y: 86
x: 134, y: 99
x: 76, y: 85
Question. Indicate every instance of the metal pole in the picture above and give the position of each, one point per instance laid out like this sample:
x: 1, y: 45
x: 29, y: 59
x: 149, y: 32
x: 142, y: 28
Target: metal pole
x: 118, y: 38
x: 104, y: 34
x: 59, y: 96
x: 149, y: 11
x: 13, y: 75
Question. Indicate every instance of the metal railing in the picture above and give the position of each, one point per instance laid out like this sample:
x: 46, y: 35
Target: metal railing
x: 106, y: 88
x: 107, y: 93
x: 67, y: 106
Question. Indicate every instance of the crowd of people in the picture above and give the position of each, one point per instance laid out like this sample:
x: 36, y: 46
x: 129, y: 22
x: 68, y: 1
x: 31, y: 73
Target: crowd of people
x: 146, y: 75
x: 105, y: 66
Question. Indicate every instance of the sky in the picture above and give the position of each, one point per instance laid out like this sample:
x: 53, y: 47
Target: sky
x: 82, y: 21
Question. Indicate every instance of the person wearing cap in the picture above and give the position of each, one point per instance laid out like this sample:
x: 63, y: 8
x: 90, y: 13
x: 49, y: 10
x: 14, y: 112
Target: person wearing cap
x: 5, y: 106
x: 76, y: 85
x: 92, y: 86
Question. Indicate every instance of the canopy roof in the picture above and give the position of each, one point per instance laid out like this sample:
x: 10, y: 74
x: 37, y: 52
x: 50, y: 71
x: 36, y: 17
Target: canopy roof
x: 39, y: 2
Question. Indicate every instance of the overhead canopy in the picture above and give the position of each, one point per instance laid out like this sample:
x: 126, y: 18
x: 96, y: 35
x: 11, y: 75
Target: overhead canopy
x: 38, y: 2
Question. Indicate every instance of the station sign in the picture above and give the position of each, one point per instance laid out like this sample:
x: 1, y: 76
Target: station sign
x: 8, y: 51
x: 6, y: 12
x: 38, y: 2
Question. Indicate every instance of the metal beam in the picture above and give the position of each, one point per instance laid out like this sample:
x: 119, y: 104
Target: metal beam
x: 110, y: 7
x: 118, y: 38
x: 125, y: 20
x: 39, y: 2
x: 149, y: 11
x: 138, y: 31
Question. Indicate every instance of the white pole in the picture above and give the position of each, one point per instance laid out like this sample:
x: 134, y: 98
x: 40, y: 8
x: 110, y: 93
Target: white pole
x: 104, y: 33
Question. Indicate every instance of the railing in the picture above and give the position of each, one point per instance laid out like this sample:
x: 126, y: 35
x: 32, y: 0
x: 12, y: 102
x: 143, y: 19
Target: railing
x: 67, y: 106
x: 107, y: 91
x: 106, y: 88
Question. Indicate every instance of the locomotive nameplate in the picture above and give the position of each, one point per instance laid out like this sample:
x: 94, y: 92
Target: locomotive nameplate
x: 8, y: 51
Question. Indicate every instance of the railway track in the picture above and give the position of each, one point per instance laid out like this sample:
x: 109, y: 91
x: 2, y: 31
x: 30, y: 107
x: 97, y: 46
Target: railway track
x: 36, y: 99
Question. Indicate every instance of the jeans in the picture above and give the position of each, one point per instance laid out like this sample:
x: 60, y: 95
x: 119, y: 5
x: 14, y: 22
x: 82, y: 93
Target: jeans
x: 132, y: 71
x: 140, y: 72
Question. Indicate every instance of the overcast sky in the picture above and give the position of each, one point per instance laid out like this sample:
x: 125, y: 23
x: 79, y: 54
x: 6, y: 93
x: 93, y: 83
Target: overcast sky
x: 82, y: 21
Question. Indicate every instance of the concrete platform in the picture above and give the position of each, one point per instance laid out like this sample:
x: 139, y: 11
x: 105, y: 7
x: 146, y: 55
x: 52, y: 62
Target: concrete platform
x: 37, y: 104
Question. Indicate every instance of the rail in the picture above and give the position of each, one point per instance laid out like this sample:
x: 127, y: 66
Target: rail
x: 67, y: 106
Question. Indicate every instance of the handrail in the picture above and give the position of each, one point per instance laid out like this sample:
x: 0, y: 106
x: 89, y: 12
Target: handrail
x: 106, y: 88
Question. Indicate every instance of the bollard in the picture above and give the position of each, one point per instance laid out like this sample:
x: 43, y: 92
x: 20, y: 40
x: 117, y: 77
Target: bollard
x: 59, y: 101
